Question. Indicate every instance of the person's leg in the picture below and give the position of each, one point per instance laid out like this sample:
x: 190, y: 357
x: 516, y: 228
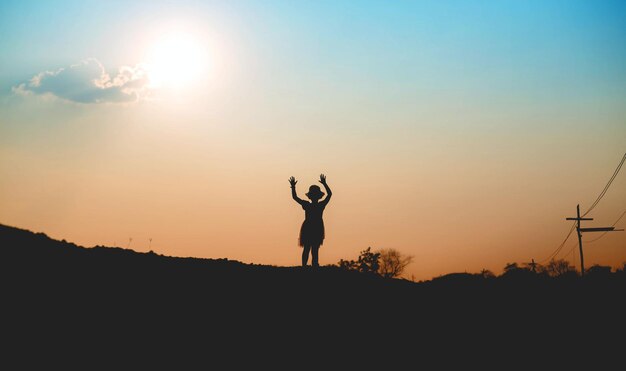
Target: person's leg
x: 314, y: 252
x: 305, y: 254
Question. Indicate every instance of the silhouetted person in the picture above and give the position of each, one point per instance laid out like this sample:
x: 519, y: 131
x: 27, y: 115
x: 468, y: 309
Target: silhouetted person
x: 312, y: 230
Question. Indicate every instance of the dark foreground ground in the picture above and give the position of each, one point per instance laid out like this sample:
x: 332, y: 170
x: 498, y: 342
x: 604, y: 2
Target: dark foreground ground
x: 62, y: 303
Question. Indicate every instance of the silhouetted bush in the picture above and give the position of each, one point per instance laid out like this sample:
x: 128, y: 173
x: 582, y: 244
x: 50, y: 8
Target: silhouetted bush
x: 599, y: 271
x: 368, y: 262
x: 510, y: 267
x: 487, y: 274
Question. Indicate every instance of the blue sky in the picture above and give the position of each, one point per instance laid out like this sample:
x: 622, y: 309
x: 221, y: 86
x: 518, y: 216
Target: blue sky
x: 457, y: 38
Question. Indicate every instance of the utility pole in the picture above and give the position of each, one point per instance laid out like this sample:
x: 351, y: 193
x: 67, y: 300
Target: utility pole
x: 580, y: 238
x: 533, y: 265
x: 580, y: 232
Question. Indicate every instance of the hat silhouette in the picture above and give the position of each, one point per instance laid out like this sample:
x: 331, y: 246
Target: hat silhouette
x: 315, y: 192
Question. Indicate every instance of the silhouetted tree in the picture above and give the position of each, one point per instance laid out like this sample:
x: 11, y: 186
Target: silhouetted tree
x: 514, y: 272
x: 486, y: 273
x: 510, y: 267
x: 558, y: 268
x: 392, y: 262
x: 533, y: 267
x: 621, y: 271
x: 599, y: 271
x: 367, y: 262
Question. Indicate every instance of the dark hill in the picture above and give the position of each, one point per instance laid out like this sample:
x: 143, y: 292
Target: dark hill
x: 57, y: 290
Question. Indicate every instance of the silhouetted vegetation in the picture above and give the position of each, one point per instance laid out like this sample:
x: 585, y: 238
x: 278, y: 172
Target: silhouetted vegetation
x: 366, y: 263
x: 388, y: 263
x: 392, y: 263
x: 599, y: 271
x: 558, y: 268
x: 486, y: 273
x: 511, y: 267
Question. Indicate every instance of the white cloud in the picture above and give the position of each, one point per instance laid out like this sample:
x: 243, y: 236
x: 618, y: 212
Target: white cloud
x: 88, y: 82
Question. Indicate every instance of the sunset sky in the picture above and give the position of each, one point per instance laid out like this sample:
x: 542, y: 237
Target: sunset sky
x: 459, y: 132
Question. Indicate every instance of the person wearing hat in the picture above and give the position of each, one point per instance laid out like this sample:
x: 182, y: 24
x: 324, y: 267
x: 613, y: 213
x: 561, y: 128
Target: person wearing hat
x: 312, y: 230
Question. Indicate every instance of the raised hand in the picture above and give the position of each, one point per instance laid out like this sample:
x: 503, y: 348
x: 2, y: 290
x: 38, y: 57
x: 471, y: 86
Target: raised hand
x: 293, y: 181
x: 322, y: 178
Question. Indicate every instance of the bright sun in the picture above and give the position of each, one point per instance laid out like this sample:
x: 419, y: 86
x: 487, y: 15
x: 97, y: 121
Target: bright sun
x: 177, y: 60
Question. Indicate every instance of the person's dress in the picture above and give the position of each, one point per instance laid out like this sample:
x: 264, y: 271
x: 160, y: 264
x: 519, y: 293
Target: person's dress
x: 312, y: 230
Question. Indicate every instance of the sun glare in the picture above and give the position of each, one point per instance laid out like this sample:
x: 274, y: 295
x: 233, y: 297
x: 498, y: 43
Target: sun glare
x: 177, y: 60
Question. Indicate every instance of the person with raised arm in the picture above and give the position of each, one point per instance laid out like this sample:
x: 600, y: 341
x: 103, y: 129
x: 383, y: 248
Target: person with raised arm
x: 312, y: 231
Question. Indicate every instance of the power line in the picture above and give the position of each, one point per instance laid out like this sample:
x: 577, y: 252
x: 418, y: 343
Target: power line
x: 595, y: 203
x: 606, y: 187
x: 558, y: 249
x: 613, y: 225
x: 571, y: 250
